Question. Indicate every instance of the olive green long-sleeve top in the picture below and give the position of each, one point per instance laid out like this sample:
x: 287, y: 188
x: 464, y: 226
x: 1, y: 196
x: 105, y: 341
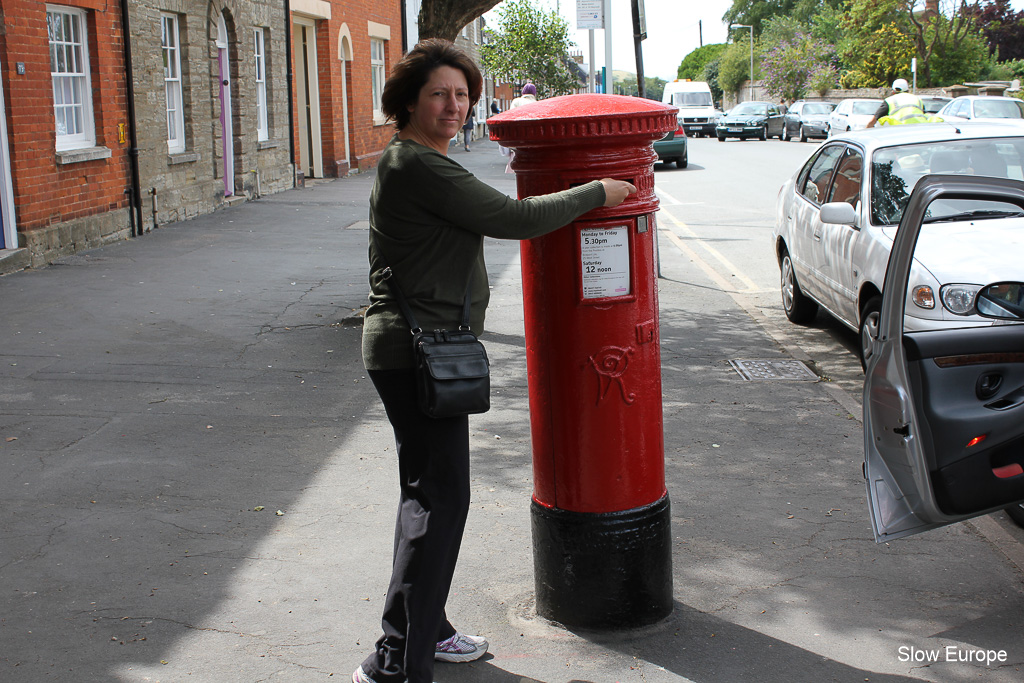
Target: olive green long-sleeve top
x: 428, y: 218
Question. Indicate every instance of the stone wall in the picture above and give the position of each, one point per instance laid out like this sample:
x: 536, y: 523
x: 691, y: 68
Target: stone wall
x: 44, y: 245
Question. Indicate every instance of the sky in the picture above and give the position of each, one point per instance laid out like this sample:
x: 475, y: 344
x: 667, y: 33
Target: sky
x: 674, y: 29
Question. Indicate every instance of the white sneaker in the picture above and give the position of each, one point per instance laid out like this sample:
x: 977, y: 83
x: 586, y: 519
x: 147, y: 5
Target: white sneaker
x: 359, y: 676
x: 460, y: 648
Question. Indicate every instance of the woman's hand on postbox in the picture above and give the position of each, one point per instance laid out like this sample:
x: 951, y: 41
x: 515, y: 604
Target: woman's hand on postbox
x: 616, y: 191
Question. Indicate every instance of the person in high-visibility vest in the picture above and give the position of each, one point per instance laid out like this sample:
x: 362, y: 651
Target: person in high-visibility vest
x: 900, y: 107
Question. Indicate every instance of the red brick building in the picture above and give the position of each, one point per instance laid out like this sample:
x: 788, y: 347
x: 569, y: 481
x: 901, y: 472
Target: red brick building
x: 66, y: 113
x: 342, y: 52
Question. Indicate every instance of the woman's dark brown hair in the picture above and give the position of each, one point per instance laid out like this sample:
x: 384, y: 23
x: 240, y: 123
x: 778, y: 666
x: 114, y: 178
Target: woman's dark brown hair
x: 413, y: 71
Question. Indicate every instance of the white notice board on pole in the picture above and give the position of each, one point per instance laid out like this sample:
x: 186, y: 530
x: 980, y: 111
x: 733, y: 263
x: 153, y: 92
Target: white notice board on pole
x: 589, y: 14
x: 604, y: 262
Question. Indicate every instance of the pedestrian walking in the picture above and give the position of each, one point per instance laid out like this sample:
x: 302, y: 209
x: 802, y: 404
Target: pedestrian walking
x: 467, y: 130
x: 428, y: 217
x: 529, y: 95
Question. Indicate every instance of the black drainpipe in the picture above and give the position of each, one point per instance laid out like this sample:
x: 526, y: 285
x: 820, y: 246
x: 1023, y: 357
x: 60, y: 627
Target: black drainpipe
x: 405, y: 27
x: 291, y: 99
x: 133, y: 149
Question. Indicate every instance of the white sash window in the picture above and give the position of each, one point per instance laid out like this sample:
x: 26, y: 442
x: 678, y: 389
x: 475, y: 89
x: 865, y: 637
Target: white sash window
x: 69, y: 71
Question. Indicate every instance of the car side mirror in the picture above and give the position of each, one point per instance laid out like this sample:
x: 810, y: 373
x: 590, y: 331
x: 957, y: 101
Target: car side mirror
x: 839, y: 213
x: 1002, y: 301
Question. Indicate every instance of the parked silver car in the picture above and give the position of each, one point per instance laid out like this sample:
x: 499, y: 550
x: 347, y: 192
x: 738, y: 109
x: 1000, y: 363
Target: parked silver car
x: 807, y: 120
x: 837, y: 216
x: 944, y: 409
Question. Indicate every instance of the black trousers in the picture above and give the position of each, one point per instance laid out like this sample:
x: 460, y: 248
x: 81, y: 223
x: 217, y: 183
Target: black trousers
x: 433, y: 469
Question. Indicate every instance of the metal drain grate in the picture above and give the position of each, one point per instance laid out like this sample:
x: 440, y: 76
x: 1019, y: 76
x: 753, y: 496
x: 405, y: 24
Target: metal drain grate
x: 751, y: 369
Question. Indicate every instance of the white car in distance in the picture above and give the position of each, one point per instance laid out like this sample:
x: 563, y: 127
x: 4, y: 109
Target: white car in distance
x: 852, y: 114
x: 983, y: 108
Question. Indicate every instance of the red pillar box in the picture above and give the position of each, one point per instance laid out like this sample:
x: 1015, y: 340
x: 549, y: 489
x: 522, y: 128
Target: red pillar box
x: 600, y: 511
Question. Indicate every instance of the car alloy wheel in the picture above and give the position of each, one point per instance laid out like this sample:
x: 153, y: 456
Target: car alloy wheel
x: 764, y: 133
x: 798, y: 307
x: 803, y: 134
x: 869, y: 316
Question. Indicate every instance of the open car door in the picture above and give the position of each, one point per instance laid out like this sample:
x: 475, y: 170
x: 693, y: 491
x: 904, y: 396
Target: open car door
x: 944, y: 409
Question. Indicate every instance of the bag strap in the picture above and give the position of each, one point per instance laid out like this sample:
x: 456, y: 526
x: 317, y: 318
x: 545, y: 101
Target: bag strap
x: 388, y: 276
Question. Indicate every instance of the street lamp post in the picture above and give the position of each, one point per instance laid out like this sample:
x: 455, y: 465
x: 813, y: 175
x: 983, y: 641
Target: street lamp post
x: 751, y: 55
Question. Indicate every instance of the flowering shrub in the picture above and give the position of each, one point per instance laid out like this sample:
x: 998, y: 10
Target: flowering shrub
x: 789, y: 67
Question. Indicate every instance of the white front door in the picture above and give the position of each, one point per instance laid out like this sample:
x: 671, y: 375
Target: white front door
x: 8, y: 227
x: 307, y: 88
x: 227, y: 131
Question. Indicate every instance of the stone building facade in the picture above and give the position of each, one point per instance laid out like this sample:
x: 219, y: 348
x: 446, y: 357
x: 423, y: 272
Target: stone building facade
x: 211, y: 104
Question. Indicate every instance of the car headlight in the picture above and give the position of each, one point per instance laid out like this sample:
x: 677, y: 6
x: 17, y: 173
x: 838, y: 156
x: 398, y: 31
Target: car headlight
x: 959, y: 299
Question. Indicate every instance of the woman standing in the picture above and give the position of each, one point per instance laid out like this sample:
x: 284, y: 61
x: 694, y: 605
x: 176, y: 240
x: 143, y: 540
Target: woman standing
x: 428, y: 217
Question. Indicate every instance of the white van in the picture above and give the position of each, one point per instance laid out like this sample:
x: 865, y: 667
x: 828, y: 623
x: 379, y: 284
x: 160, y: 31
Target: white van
x: 696, y: 110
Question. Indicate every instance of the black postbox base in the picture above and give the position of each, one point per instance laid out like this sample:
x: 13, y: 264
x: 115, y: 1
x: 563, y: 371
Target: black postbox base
x: 603, y: 570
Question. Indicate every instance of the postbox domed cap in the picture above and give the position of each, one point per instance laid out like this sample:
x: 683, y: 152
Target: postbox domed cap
x: 584, y: 116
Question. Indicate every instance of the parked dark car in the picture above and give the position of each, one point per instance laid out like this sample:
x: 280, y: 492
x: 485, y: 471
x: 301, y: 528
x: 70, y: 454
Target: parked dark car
x: 672, y: 147
x: 761, y: 120
x: 807, y: 120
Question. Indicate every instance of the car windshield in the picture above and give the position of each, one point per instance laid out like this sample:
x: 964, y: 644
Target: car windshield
x: 817, y: 108
x: 896, y: 170
x: 691, y: 99
x: 932, y: 106
x: 751, y: 108
x: 867, y: 107
x: 998, y: 109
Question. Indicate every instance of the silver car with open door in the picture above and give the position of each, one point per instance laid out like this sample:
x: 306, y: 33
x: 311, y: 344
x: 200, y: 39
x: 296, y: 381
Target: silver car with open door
x: 944, y: 408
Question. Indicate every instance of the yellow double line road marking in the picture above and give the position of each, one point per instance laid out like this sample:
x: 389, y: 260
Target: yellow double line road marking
x: 724, y: 284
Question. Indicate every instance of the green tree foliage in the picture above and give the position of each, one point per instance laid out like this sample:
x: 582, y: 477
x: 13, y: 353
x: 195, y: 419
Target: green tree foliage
x: 757, y: 12
x: 710, y: 76
x: 734, y: 64
x: 879, y: 58
x: 530, y: 45
x: 823, y: 80
x: 653, y: 87
x: 950, y: 46
x: 871, y: 42
x: 693, y: 64
x: 875, y: 47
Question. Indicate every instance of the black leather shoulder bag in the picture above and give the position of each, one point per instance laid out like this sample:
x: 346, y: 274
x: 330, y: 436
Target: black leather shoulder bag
x: 452, y: 371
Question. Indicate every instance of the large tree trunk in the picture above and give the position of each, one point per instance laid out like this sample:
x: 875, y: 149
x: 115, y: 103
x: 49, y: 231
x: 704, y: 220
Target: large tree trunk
x: 445, y: 18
